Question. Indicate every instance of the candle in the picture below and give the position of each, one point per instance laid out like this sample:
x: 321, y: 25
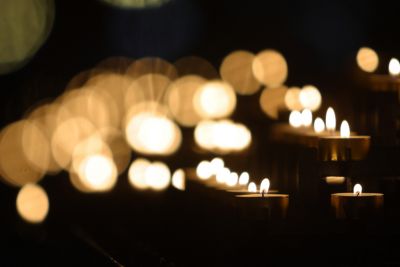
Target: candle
x: 357, y: 205
x: 343, y: 147
x: 262, y: 205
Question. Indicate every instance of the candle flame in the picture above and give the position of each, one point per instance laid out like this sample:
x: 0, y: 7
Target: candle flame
x: 357, y: 190
x: 244, y: 178
x: 295, y: 119
x: 264, y: 186
x: 394, y: 66
x: 216, y: 164
x: 306, y: 117
x: 330, y: 119
x: 223, y: 175
x: 252, y: 188
x: 204, y: 170
x: 345, y: 129
x: 319, y: 125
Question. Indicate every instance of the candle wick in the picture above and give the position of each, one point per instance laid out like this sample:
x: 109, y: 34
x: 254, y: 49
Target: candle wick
x: 262, y: 193
x: 358, y: 193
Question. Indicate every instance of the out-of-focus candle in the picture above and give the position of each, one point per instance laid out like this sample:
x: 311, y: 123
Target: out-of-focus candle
x: 357, y: 205
x: 262, y: 205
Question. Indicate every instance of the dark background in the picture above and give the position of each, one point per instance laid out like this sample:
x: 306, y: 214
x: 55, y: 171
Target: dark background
x: 319, y: 40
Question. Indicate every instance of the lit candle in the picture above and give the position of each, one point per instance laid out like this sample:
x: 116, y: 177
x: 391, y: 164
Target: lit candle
x: 262, y: 205
x: 343, y: 147
x: 357, y: 205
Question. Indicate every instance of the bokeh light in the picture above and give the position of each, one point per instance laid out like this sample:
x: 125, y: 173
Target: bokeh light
x: 157, y: 175
x: 292, y: 98
x: 272, y: 100
x: 367, y: 59
x: 136, y: 4
x: 198, y: 66
x: 394, y: 66
x: 295, y: 119
x: 215, y: 99
x: 310, y: 97
x: 236, y: 69
x: 204, y: 170
x: 136, y: 173
x: 330, y: 119
x: 306, y: 118
x: 32, y: 203
x: 181, y: 99
x: 25, y: 26
x: 244, y: 178
x: 270, y: 68
x: 319, y: 125
x: 178, y: 180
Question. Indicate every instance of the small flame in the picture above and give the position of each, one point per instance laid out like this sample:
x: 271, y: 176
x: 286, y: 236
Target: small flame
x: 295, y: 119
x: 319, y: 125
x: 306, y: 117
x: 345, y: 129
x: 357, y: 190
x: 252, y: 188
x: 264, y: 186
x: 216, y: 164
x: 244, y: 178
x: 394, y: 66
x: 232, y: 179
x: 203, y: 170
x: 330, y: 119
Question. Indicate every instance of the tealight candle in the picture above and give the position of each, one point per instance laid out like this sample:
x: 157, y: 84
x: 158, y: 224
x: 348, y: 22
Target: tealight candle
x: 357, y: 205
x: 263, y: 205
x: 343, y: 147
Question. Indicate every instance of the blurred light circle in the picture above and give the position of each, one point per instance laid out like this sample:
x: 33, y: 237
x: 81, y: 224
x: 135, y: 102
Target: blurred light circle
x: 151, y: 133
x: 181, y: 98
x: 178, y: 180
x: 236, y: 69
x: 319, y: 125
x: 295, y: 119
x: 367, y: 59
x: 203, y: 134
x: 204, y: 170
x: 25, y: 26
x: 157, y: 175
x: 215, y: 99
x: 310, y: 97
x: 32, y: 203
x: 272, y: 100
x: 19, y: 165
x: 136, y: 173
x: 270, y: 68
x: 292, y: 99
x: 152, y: 66
x: 98, y: 172
x: 306, y: 118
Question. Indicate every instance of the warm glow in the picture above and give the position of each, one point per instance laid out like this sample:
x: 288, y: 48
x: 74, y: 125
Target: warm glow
x: 32, y: 203
x: 335, y: 179
x: 357, y: 190
x: 157, y: 175
x: 310, y: 97
x: 272, y: 100
x: 330, y: 119
x: 367, y: 59
x: 180, y: 99
x: 394, y: 66
x: 232, y: 179
x: 306, y: 118
x: 222, y: 136
x: 236, y: 69
x: 252, y: 187
x: 292, y: 99
x: 98, y: 173
x: 270, y: 68
x: 204, y: 170
x: 215, y: 99
x: 264, y: 186
x: 223, y: 175
x: 319, y: 125
x: 178, y: 180
x: 295, y: 119
x: 344, y: 129
x: 216, y: 164
x: 151, y: 133
x: 244, y: 178
x: 136, y: 173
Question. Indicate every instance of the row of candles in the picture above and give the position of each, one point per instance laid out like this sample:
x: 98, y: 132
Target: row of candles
x: 263, y: 203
